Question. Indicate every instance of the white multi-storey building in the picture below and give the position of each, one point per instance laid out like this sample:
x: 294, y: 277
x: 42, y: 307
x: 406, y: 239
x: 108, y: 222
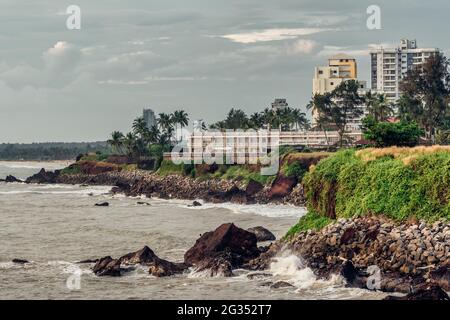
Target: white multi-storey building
x: 149, y: 118
x: 390, y: 66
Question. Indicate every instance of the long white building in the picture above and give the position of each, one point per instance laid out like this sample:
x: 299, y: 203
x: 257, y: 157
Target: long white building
x: 390, y: 65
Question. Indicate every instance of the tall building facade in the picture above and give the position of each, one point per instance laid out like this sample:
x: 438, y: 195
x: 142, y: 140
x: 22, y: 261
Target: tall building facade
x: 390, y: 65
x: 279, y: 104
x: 340, y: 68
x: 149, y: 118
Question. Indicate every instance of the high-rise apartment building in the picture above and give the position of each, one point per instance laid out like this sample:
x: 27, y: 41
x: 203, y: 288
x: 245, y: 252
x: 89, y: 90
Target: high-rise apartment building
x: 390, y: 65
x: 149, y: 118
x: 340, y: 68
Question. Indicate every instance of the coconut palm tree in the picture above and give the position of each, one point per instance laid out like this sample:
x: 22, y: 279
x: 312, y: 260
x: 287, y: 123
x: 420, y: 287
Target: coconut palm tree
x: 300, y: 120
x: 256, y: 121
x: 165, y: 122
x: 140, y: 127
x: 116, y: 141
x: 268, y: 117
x: 180, y: 117
x: 129, y: 143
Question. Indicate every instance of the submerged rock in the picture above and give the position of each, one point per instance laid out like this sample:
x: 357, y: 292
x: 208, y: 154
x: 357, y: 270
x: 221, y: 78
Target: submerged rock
x: 280, y: 284
x: 262, y: 234
x: 11, y: 179
x: 226, y: 248
x: 195, y: 204
x: 20, y: 261
x: 102, y: 204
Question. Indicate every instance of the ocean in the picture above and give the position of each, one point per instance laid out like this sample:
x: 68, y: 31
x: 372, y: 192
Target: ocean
x: 54, y: 226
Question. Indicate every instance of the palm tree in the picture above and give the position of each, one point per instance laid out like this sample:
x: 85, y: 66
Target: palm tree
x: 165, y: 122
x: 116, y: 141
x: 129, y: 143
x: 268, y: 117
x: 139, y: 126
x: 153, y: 134
x: 300, y: 119
x: 180, y: 117
x: 256, y: 121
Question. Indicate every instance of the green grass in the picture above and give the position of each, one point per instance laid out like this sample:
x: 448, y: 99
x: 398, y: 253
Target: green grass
x: 414, y: 186
x: 72, y: 169
x: 311, y: 221
x: 168, y: 167
x: 237, y: 172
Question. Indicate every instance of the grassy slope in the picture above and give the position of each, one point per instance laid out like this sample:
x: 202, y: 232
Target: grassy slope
x: 400, y: 183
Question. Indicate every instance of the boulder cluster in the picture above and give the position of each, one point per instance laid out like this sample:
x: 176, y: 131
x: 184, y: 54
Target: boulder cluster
x: 407, y: 255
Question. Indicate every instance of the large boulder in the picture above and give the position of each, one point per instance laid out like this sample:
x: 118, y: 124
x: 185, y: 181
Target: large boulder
x: 157, y: 267
x: 253, y: 187
x: 227, y: 247
x: 282, y: 186
x: 44, y: 177
x: 107, y: 266
x: 262, y: 234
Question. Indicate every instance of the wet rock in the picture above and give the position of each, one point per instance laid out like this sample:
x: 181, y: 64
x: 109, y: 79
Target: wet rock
x: 282, y: 186
x: 102, y: 204
x: 141, y: 203
x: 88, y: 261
x: 280, y: 284
x: 11, y: 179
x: 107, y: 266
x: 43, y: 177
x: 441, y: 277
x: 196, y: 204
x: 253, y: 187
x: 20, y: 261
x: 432, y: 292
x: 258, y: 275
x: 157, y: 267
x: 262, y: 234
x: 226, y: 248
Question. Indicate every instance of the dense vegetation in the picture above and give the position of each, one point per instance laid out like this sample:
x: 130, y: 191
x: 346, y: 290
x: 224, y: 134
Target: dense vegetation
x: 399, y: 183
x: 49, y: 151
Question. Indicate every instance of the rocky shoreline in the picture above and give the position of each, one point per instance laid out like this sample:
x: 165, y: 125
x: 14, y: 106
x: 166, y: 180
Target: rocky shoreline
x: 369, y: 252
x: 284, y: 190
x: 406, y: 257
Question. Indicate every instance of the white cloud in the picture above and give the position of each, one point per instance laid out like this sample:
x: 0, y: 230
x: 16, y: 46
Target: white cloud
x: 272, y: 34
x: 302, y: 46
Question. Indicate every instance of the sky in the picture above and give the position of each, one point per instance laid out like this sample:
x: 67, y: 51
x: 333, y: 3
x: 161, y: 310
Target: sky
x: 202, y: 56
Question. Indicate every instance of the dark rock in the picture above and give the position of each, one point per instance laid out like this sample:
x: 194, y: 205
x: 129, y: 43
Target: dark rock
x: 88, y: 261
x: 157, y: 267
x: 348, y: 236
x: 262, y: 234
x: 226, y: 248
x: 102, y: 204
x: 143, y: 203
x: 253, y: 187
x: 107, y: 266
x: 432, y: 292
x: 282, y: 186
x: 20, y: 261
x: 196, y: 204
x: 11, y: 179
x: 43, y: 177
x: 258, y: 275
x: 281, y: 284
x: 441, y: 277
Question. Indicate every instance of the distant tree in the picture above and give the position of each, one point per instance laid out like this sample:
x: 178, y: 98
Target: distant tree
x: 300, y: 120
x: 256, y: 120
x: 165, y: 122
x: 140, y: 127
x: 116, y: 141
x: 338, y: 107
x: 386, y: 134
x: 129, y: 142
x: 181, y: 118
x: 426, y: 94
x: 378, y: 106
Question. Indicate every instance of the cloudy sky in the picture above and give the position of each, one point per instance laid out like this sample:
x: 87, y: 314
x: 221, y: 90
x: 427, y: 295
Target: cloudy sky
x: 204, y: 56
